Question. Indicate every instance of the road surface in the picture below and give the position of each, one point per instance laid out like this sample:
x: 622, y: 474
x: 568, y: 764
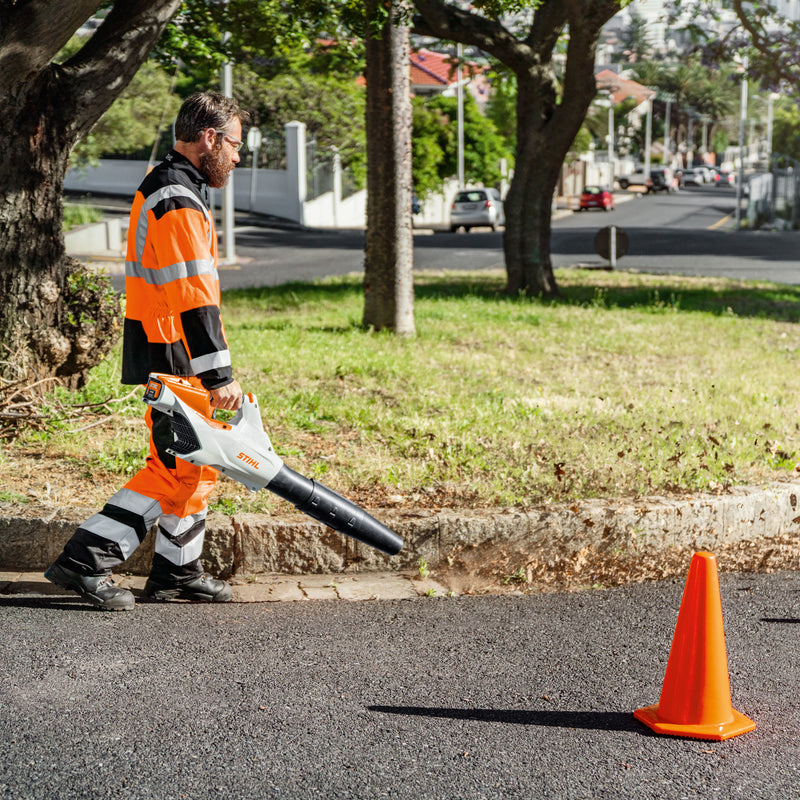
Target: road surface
x: 435, y: 698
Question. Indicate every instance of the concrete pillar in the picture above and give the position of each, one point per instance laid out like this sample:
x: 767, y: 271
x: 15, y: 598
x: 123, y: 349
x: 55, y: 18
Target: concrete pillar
x: 296, y: 165
x: 337, y: 186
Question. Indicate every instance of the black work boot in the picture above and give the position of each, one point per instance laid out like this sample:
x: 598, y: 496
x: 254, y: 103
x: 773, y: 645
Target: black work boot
x: 202, y: 587
x: 99, y: 590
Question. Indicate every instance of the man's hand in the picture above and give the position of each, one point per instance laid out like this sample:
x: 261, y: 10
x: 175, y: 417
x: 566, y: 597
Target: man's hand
x: 228, y: 397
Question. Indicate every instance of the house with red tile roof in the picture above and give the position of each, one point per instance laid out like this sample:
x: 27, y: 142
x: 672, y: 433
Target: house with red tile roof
x: 622, y: 88
x: 435, y: 73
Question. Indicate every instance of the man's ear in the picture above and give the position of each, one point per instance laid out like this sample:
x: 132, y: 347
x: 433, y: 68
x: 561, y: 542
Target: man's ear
x: 207, y: 140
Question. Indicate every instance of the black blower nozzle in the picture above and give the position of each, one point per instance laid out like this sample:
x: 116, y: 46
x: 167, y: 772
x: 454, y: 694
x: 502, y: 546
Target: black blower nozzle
x: 335, y: 511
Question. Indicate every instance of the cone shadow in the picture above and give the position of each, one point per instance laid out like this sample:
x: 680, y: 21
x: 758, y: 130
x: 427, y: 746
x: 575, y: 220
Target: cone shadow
x: 585, y: 720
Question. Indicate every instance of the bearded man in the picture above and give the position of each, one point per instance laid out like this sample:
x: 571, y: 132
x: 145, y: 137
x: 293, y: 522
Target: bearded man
x: 173, y: 326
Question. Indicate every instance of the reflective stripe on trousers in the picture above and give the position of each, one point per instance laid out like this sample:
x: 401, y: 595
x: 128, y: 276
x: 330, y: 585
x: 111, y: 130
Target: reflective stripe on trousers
x: 166, y: 490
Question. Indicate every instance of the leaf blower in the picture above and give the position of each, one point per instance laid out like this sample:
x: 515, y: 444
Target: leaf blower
x: 242, y: 450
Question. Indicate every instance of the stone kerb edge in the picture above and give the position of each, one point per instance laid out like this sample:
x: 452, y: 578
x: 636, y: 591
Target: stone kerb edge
x: 547, y: 539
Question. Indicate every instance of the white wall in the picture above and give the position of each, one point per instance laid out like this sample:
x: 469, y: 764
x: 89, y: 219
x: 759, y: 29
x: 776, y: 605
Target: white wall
x: 281, y: 193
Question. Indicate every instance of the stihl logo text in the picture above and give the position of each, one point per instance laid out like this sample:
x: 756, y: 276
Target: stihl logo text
x: 247, y: 460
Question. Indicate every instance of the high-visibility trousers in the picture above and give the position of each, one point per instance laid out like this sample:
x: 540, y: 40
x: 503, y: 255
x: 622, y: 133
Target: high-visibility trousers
x: 167, y: 491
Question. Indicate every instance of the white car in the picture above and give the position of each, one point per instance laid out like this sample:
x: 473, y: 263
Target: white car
x: 476, y: 208
x: 695, y: 177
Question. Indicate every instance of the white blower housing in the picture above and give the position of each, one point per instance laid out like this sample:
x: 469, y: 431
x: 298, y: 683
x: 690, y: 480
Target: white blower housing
x: 242, y: 450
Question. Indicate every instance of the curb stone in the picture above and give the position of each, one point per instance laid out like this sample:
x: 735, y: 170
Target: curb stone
x: 591, y: 542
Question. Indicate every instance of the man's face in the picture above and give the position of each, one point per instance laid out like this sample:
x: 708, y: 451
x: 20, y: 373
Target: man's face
x: 218, y: 163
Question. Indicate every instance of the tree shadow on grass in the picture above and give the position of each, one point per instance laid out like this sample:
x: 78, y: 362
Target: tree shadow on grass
x: 653, y: 293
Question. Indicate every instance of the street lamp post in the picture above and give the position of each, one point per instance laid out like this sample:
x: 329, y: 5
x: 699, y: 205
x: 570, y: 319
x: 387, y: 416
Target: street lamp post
x: 608, y: 94
x: 611, y: 156
x: 742, y: 118
x: 648, y: 137
x: 770, y: 119
x: 460, y: 104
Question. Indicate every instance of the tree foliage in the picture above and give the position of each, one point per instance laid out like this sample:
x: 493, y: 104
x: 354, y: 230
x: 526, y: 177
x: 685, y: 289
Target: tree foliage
x: 435, y: 144
x: 265, y: 35
x: 786, y: 131
x: 331, y: 107
x: 771, y: 41
x: 134, y: 118
x: 698, y: 90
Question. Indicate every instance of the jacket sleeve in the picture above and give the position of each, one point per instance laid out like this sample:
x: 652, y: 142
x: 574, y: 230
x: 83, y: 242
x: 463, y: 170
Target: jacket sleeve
x: 185, y: 249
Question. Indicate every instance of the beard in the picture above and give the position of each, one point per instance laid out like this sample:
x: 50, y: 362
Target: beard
x: 216, y: 167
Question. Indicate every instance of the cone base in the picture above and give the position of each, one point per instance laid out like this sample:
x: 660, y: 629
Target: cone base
x: 740, y: 724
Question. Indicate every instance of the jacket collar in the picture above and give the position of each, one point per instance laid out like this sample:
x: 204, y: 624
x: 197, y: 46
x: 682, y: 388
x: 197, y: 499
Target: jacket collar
x: 179, y: 161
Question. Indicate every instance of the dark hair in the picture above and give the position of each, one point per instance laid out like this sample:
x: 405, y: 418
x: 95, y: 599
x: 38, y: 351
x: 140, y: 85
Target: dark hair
x: 204, y: 110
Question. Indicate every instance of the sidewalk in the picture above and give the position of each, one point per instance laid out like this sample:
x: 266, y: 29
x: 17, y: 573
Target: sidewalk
x: 589, y: 543
x: 266, y: 588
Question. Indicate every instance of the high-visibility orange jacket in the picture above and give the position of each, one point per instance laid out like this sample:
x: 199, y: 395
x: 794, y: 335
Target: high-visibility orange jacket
x: 172, y: 319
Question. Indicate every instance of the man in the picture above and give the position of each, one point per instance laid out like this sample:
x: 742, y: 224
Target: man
x: 173, y: 326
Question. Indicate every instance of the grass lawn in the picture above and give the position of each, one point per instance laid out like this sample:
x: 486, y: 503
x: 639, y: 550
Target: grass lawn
x: 628, y: 385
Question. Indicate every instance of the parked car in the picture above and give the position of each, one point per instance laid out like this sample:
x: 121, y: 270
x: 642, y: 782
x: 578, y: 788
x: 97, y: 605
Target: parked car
x: 660, y: 179
x: 708, y: 172
x: 596, y: 197
x: 636, y: 178
x: 475, y: 208
x: 726, y: 178
x: 693, y: 177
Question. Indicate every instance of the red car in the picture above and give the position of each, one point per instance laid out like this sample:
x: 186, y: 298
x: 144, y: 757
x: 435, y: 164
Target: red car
x: 596, y: 197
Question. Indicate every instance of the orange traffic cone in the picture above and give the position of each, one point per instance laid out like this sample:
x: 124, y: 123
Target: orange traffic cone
x: 696, y: 695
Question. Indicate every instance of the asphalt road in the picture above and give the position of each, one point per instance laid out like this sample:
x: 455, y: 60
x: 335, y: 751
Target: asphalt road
x: 468, y: 697
x: 688, y: 233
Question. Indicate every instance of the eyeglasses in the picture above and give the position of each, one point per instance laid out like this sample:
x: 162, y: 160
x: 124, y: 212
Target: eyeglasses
x: 235, y: 143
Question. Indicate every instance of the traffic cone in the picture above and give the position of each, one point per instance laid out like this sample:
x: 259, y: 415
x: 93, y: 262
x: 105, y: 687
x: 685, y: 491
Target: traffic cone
x: 696, y: 695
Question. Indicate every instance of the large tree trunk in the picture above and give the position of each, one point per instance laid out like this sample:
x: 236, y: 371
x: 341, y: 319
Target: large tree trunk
x: 526, y: 243
x: 538, y: 160
x: 56, y: 318
x: 389, y: 248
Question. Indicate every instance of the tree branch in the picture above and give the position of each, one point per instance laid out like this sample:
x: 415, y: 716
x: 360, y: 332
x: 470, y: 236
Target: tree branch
x: 548, y: 25
x: 95, y: 76
x: 439, y: 19
x: 32, y: 32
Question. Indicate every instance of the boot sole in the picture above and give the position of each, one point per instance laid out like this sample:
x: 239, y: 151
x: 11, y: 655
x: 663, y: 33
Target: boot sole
x: 166, y: 595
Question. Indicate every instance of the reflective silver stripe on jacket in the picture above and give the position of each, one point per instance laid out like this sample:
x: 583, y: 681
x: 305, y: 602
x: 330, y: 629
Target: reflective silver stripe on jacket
x: 174, y: 272
x: 221, y: 358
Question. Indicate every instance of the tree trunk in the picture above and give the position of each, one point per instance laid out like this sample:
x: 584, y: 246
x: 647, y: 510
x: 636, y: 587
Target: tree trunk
x: 526, y: 243
x: 389, y: 248
x: 547, y: 119
x: 57, y: 319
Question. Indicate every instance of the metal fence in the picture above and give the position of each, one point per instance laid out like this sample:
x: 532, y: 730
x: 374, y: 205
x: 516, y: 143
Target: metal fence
x: 775, y: 195
x: 272, y: 151
x: 319, y: 169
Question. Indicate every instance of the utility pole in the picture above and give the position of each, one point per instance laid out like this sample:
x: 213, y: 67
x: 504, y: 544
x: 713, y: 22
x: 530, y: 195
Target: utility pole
x: 227, y: 191
x: 648, y: 137
x: 742, y: 118
x: 460, y: 103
